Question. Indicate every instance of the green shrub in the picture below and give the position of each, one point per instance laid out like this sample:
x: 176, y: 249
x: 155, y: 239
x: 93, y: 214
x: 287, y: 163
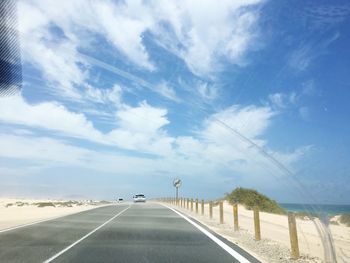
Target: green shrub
x: 21, y: 203
x: 68, y: 203
x: 45, y: 204
x: 345, y: 219
x: 251, y: 198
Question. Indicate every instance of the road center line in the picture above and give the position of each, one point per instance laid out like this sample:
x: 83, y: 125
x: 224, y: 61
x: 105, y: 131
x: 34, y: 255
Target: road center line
x: 84, y: 237
x: 224, y: 246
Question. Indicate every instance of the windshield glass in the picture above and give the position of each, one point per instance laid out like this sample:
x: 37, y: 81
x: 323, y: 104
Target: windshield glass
x: 232, y: 117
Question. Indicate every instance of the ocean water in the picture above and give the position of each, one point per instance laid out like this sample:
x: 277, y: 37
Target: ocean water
x: 319, y: 209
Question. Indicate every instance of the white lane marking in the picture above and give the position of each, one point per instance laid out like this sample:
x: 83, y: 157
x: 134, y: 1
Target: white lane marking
x: 48, y: 219
x: 87, y: 235
x: 224, y: 246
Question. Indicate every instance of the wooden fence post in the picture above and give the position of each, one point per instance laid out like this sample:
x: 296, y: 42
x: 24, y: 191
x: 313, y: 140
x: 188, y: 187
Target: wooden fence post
x: 197, y: 206
x: 293, y: 236
x: 202, y: 206
x: 221, y: 212
x: 211, y: 209
x: 235, y: 217
x: 257, y: 224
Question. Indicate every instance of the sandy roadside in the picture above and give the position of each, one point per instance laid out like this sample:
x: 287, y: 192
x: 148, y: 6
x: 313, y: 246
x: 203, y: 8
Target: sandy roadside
x: 15, y: 212
x: 275, y: 243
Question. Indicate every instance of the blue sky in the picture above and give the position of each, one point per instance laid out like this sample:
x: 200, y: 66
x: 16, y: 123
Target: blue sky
x: 120, y: 98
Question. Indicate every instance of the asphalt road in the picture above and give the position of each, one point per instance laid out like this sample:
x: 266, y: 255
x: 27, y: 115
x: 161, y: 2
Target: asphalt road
x: 120, y: 233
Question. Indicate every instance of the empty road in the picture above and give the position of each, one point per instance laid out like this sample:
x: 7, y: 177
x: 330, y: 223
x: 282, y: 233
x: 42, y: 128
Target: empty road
x: 127, y: 233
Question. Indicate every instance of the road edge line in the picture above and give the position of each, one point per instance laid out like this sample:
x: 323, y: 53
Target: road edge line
x: 47, y: 219
x: 84, y: 237
x: 220, y: 243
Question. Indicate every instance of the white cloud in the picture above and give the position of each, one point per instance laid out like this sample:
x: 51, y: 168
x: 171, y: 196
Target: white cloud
x: 46, y: 152
x: 277, y: 99
x: 117, y: 22
x: 163, y: 88
x: 143, y: 118
x: 125, y: 29
x: 111, y: 96
x: 167, y: 91
x: 215, y: 152
x: 40, y: 149
x: 207, y: 92
x: 223, y: 134
x: 324, y: 17
x: 282, y: 100
x: 56, y: 59
x: 301, y: 58
x: 190, y: 147
x: 219, y: 146
x: 250, y: 121
x: 289, y: 158
x: 204, y: 33
x: 293, y: 100
x: 47, y: 115
x: 140, y: 128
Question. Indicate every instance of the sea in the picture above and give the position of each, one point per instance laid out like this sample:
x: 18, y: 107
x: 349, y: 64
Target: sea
x: 317, y: 208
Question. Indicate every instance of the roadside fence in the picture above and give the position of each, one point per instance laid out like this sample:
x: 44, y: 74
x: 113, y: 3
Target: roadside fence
x: 192, y: 205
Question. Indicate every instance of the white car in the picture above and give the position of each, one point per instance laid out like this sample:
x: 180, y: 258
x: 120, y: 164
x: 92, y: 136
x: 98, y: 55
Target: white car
x: 139, y: 198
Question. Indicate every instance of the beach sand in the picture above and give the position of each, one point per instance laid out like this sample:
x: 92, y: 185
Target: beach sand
x: 15, y: 212
x: 275, y: 243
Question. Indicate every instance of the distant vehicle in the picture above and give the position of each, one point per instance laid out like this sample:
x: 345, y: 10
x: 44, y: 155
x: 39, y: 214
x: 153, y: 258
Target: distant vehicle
x: 139, y: 198
x: 120, y: 200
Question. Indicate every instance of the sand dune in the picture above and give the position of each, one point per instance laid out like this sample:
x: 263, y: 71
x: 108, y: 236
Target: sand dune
x: 14, y: 212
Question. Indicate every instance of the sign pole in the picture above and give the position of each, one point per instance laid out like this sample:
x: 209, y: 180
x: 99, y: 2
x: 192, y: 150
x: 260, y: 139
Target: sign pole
x: 177, y: 183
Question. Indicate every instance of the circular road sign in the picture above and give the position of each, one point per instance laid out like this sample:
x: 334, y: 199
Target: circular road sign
x: 177, y: 183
